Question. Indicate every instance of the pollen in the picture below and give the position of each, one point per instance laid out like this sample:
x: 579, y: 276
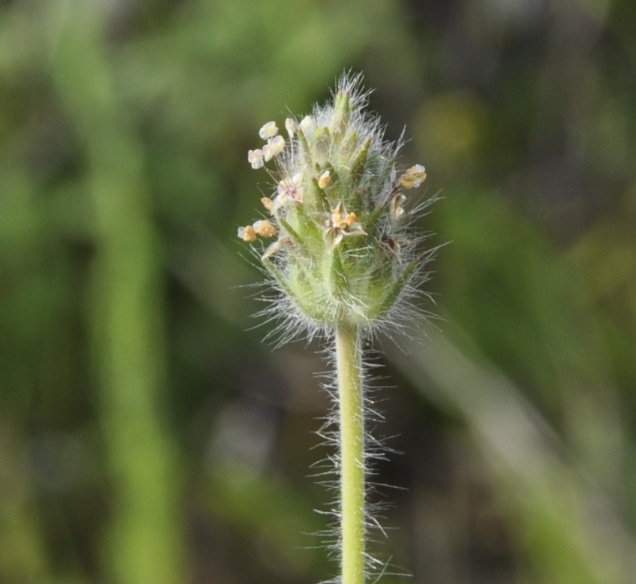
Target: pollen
x: 413, y: 177
x: 264, y: 228
x: 341, y: 224
x: 339, y: 220
x: 325, y: 179
x: 247, y: 233
x: 269, y: 130
x: 255, y: 158
x: 267, y: 203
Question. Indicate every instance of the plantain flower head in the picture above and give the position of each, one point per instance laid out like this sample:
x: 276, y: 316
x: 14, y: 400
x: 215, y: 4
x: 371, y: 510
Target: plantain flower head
x: 340, y: 217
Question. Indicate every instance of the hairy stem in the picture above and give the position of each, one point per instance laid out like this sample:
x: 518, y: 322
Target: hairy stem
x: 352, y: 483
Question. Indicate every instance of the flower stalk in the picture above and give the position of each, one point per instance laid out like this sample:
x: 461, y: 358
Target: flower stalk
x: 342, y: 252
x: 352, y: 467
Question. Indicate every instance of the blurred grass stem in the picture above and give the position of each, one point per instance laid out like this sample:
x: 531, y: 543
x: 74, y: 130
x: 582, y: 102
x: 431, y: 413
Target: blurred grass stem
x: 126, y: 304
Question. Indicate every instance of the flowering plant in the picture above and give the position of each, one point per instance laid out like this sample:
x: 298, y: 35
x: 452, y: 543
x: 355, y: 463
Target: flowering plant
x: 344, y: 256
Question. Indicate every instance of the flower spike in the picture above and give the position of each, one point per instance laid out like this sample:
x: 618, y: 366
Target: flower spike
x: 337, y: 186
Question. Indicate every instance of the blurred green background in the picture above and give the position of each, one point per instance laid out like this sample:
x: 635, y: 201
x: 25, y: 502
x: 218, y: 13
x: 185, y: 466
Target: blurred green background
x: 149, y: 436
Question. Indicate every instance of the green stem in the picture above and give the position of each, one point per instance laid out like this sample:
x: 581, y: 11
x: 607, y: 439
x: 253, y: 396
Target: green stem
x: 352, y: 483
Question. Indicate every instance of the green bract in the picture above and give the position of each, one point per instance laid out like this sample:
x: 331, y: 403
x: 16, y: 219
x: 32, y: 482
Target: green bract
x: 343, y: 251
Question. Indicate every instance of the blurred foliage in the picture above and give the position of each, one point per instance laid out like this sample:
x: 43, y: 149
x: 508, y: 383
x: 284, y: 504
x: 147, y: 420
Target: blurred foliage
x: 146, y: 432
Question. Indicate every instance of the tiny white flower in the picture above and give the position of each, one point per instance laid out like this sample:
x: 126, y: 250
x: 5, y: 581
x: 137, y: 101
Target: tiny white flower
x: 307, y: 124
x: 255, y: 158
x: 269, y: 130
x: 273, y: 147
x: 290, y: 188
x: 342, y: 224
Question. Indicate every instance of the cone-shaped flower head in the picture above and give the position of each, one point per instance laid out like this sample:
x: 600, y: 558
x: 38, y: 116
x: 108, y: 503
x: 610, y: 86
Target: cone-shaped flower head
x: 343, y: 248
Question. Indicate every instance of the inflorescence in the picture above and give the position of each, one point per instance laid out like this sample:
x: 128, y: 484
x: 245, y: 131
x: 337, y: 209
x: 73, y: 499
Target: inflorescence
x: 342, y: 247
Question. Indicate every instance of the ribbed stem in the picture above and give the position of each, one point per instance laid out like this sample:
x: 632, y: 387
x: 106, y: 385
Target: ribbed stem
x: 352, y: 483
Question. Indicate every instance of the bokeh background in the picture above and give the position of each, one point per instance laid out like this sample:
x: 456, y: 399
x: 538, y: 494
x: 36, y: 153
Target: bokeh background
x: 148, y: 435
